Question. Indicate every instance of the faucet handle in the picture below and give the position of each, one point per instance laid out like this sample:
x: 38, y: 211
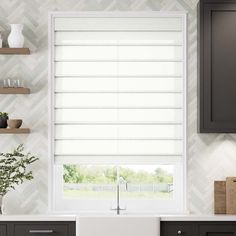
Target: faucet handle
x: 118, y: 209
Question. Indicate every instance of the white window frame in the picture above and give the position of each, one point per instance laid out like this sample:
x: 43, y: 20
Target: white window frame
x: 56, y: 170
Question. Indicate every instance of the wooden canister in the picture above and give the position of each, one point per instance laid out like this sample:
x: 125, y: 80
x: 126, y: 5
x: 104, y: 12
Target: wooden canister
x: 231, y: 195
x: 220, y: 197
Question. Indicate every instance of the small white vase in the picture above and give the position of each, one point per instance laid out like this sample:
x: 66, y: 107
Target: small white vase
x: 1, y: 205
x: 16, y: 38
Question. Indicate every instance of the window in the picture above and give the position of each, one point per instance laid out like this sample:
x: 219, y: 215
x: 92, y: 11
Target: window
x: 117, y: 111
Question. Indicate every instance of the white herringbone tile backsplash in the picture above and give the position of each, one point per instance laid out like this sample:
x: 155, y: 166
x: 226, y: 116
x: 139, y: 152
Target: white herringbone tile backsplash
x: 210, y: 156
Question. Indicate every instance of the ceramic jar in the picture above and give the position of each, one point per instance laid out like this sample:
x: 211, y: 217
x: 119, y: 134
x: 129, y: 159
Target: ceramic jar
x: 16, y: 38
x: 14, y: 123
x: 3, y: 122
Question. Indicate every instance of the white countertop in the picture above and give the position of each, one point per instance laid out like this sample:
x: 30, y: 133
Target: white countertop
x: 198, y: 217
x: 37, y: 218
x: 55, y: 217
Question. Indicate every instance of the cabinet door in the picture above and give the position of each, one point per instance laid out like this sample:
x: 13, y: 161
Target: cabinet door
x: 178, y: 229
x: 217, y: 66
x: 3, y: 230
x: 44, y: 229
x: 217, y: 230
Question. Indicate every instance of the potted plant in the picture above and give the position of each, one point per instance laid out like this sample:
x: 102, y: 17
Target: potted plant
x: 13, y: 170
x: 3, y: 119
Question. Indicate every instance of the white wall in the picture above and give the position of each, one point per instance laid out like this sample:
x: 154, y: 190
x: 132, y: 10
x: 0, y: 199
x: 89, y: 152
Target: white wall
x: 210, y: 156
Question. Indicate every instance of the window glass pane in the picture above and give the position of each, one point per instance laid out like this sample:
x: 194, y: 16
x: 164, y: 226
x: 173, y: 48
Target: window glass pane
x: 89, y: 181
x: 137, y: 182
x: 141, y: 182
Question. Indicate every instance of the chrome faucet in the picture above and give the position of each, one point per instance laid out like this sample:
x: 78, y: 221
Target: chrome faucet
x: 118, y: 208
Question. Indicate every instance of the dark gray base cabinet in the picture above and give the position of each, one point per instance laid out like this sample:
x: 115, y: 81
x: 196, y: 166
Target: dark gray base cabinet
x: 171, y: 228
x: 217, y: 230
x: 3, y: 230
x: 198, y: 228
x: 23, y: 228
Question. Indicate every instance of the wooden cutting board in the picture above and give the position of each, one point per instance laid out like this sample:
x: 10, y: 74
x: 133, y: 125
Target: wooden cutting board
x: 231, y: 195
x: 220, y: 197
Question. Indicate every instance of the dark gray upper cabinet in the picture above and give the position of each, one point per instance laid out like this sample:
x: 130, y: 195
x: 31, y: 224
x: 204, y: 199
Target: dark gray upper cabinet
x: 217, y: 61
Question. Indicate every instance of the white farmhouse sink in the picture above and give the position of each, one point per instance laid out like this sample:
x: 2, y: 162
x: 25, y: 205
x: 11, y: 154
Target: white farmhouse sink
x: 118, y: 226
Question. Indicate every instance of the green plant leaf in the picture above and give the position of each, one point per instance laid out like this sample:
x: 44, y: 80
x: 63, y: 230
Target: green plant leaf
x: 13, y: 168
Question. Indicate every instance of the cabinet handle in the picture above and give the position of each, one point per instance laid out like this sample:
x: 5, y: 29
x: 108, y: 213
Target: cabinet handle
x: 41, y: 231
x: 179, y: 232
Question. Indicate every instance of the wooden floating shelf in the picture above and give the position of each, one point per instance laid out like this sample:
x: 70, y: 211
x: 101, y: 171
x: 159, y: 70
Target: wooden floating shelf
x: 15, y: 131
x: 12, y: 51
x: 14, y: 90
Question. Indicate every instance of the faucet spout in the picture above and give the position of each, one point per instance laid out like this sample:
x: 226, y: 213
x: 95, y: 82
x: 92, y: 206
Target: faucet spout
x: 118, y: 209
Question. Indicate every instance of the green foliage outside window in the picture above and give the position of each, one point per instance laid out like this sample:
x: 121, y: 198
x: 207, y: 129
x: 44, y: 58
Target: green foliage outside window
x: 108, y: 174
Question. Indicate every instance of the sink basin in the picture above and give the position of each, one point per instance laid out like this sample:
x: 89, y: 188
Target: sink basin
x: 118, y: 226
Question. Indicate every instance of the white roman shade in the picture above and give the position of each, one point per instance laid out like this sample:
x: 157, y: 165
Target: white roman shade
x: 119, y: 88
